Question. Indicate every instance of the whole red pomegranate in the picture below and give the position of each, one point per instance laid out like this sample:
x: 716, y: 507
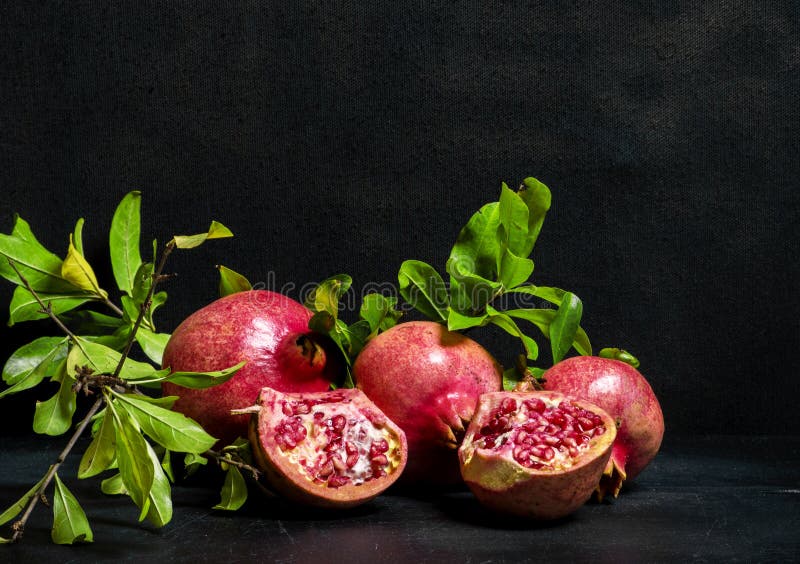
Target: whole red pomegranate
x: 326, y: 449
x: 267, y: 330
x: 624, y: 393
x: 427, y: 380
x: 537, y: 455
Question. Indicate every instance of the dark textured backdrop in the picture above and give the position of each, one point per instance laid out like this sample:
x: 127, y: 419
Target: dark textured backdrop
x: 350, y: 138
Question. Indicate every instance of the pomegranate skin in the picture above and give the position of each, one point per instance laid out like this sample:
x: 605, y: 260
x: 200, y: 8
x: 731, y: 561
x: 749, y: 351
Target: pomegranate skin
x: 626, y: 395
x: 503, y: 485
x: 427, y: 380
x: 267, y: 330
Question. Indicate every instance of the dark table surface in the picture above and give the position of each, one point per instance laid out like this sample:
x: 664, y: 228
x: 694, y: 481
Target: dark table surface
x: 704, y: 499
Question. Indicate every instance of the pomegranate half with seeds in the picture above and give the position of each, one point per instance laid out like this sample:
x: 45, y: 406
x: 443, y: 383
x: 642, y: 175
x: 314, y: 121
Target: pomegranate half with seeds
x: 326, y: 449
x: 537, y: 455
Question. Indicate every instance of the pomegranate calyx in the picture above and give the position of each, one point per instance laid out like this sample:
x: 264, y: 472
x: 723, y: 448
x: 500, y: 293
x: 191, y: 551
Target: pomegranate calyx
x: 310, y: 350
x: 612, y: 479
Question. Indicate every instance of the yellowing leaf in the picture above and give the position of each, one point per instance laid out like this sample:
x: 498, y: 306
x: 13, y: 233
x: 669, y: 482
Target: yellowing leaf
x: 215, y: 231
x: 79, y: 273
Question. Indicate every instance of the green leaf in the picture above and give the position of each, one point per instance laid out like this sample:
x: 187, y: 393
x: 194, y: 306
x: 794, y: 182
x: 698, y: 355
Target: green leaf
x: 69, y: 521
x: 423, y: 288
x: 24, y: 307
x: 619, y: 354
x: 54, y: 416
x: 234, y: 490
x: 565, y: 325
x: 327, y: 294
x: 79, y: 272
x: 101, y: 452
x: 20, y: 504
x: 113, y: 485
x: 142, y: 281
x: 513, y: 215
x: 166, y: 465
x: 458, y: 322
x: 511, y: 378
x: 40, y: 267
x: 104, y: 360
x: 477, y: 247
x: 77, y: 236
x: 552, y: 295
x: 91, y: 322
x: 504, y: 321
x: 172, y: 430
x: 160, y: 496
x: 215, y: 231
x: 514, y: 270
x: 542, y: 318
x: 231, y: 282
x: 123, y: 241
x: 158, y: 300
x: 152, y: 344
x: 192, y: 463
x: 537, y: 197
x: 35, y: 361
x: 133, y: 458
x: 380, y: 312
x: 470, y: 293
x: 202, y: 380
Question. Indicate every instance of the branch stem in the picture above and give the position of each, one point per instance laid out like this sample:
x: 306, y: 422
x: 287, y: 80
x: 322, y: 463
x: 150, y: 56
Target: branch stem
x: 221, y: 457
x: 46, y: 308
x: 19, y: 525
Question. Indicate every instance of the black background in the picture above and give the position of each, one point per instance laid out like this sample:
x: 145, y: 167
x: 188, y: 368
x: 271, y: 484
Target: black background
x: 349, y: 138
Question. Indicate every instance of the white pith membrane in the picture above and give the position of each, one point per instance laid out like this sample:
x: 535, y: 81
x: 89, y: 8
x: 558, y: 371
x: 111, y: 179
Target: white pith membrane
x: 540, y: 434
x: 334, y: 443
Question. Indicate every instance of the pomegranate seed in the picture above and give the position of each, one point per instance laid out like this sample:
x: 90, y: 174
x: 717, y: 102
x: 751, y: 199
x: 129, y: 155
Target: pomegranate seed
x: 599, y: 430
x: 570, y: 442
x: 585, y: 423
x: 488, y: 442
x: 379, y: 460
x: 508, y: 405
x: 535, y: 404
x: 339, y: 423
x: 318, y: 415
x: 352, y: 460
x: 288, y: 441
x: 551, y: 440
x: 338, y: 481
x: 380, y: 446
x: 326, y: 470
x: 299, y: 434
x: 287, y: 409
x: 537, y: 451
x: 549, y: 453
x: 350, y: 448
x: 573, y: 452
x: 302, y: 407
x: 338, y: 463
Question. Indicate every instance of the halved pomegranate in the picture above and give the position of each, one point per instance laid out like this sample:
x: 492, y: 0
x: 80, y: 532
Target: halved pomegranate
x: 326, y: 449
x: 535, y: 454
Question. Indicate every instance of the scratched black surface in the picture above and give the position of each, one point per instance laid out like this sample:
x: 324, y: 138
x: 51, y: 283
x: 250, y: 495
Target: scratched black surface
x: 704, y: 499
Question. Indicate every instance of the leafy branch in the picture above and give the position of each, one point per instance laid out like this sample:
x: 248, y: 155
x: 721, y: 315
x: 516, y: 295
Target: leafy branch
x: 488, y: 260
x: 97, y: 359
